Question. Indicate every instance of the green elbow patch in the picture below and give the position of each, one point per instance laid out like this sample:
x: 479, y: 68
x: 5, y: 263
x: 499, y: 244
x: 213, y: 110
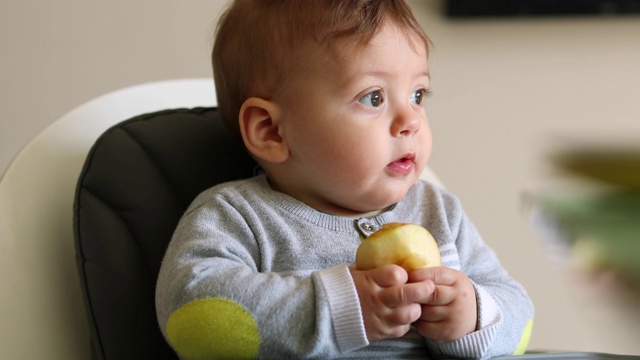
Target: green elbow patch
x: 524, y: 340
x: 213, y: 328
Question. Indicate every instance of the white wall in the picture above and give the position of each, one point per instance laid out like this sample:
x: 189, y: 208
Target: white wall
x: 56, y: 55
x: 502, y: 89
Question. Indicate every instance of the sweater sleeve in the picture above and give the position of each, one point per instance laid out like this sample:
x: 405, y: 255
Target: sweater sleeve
x: 213, y: 301
x: 346, y: 315
x: 505, y: 311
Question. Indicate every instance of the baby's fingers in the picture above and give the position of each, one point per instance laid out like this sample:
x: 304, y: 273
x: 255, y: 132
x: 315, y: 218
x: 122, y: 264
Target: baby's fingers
x: 442, y: 295
x: 434, y: 313
x: 403, y: 295
x: 438, y: 274
x: 389, y: 275
x: 436, y: 330
x: 401, y: 318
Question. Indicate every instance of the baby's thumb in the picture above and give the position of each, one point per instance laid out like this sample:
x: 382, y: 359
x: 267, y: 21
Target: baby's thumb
x: 389, y: 275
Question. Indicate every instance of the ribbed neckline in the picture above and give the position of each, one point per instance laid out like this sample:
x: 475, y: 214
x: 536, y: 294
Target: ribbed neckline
x: 400, y: 212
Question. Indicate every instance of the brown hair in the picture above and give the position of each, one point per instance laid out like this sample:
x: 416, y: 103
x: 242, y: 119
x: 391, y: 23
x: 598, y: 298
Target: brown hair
x: 258, y: 41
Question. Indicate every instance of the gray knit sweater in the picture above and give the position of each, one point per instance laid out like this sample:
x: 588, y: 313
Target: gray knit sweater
x: 248, y: 260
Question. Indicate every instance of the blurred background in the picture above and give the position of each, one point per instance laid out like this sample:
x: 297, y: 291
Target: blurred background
x: 506, y: 91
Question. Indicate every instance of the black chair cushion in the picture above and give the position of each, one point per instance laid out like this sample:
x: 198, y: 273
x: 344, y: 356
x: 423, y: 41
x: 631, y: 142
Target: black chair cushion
x: 137, y: 181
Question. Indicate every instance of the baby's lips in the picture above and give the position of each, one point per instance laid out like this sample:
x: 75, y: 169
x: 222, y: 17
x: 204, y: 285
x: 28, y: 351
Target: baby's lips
x: 403, y: 165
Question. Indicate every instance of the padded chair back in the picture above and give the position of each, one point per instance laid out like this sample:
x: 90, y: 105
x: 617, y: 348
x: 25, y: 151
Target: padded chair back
x: 138, y: 179
x: 41, y: 293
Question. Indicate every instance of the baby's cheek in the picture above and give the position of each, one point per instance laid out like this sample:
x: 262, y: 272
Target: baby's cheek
x: 213, y: 328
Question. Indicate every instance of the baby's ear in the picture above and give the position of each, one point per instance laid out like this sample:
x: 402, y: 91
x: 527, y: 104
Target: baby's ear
x: 260, y: 128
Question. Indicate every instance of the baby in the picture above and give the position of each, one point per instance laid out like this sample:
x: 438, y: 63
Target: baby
x: 329, y: 98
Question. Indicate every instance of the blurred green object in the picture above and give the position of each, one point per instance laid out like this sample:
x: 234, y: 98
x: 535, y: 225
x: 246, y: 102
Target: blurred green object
x: 618, y: 166
x: 601, y: 229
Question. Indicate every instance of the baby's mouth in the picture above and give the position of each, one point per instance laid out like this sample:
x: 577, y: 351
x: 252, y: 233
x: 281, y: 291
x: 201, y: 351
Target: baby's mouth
x: 403, y: 165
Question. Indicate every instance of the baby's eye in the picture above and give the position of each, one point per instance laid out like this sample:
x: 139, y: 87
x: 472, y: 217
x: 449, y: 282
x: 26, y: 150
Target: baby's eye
x: 373, y: 99
x: 418, y: 96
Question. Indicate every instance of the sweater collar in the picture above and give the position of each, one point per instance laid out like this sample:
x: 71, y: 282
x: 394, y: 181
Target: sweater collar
x: 400, y: 212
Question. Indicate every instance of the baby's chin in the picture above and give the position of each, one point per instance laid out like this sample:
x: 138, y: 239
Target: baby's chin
x: 356, y: 208
x: 381, y: 205
x: 370, y: 202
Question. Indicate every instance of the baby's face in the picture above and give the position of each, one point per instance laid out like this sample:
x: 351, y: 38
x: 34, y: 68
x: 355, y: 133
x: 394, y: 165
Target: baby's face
x: 357, y: 130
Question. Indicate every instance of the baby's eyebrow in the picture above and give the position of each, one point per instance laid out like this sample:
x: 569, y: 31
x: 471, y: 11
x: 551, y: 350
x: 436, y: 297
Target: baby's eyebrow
x: 425, y: 74
x: 356, y: 78
x: 383, y: 73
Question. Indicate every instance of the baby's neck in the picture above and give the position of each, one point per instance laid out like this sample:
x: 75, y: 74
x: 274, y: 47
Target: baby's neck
x: 332, y: 209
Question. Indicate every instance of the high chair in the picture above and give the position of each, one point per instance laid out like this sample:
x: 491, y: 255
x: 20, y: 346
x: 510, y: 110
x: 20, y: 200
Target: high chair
x: 87, y: 209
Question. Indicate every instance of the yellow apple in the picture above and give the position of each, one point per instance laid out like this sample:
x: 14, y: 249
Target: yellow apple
x: 408, y: 245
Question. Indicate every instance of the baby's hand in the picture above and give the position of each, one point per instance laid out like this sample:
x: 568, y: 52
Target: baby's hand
x: 389, y: 304
x: 450, y: 312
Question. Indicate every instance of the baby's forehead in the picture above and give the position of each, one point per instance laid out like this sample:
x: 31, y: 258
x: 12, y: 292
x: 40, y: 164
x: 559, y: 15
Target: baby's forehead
x: 350, y: 48
x: 357, y: 51
x: 348, y: 61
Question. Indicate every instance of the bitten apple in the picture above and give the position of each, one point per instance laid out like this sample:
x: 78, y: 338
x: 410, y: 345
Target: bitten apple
x: 408, y: 245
